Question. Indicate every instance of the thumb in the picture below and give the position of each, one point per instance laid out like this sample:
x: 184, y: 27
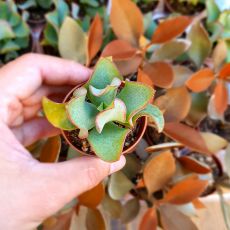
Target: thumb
x: 67, y: 180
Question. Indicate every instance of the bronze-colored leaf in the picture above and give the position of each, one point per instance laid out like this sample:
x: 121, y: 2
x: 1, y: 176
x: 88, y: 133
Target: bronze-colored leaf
x: 185, y: 191
x: 225, y: 72
x: 164, y: 146
x: 89, y: 199
x: 149, y: 220
x: 51, y: 150
x: 181, y: 75
x: 143, y: 77
x: 198, y: 204
x: 158, y: 171
x: 160, y: 73
x: 171, y: 28
x: 187, y: 136
x: 126, y: 21
x: 219, y: 54
x: 119, y: 50
x: 175, y: 104
x: 200, y: 80
x: 95, y: 38
x: 94, y: 220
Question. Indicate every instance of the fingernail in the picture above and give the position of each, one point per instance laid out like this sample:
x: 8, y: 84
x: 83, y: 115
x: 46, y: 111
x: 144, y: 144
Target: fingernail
x: 116, y: 166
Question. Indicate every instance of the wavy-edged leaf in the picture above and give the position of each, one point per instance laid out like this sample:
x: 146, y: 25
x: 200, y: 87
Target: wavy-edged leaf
x: 56, y: 114
x: 72, y: 41
x: 200, y: 44
x: 175, y: 104
x: 108, y: 144
x: 130, y: 210
x: 126, y: 21
x: 136, y: 96
x: 51, y: 150
x: 94, y: 220
x: 82, y: 114
x: 119, y: 50
x: 149, y: 220
x: 187, y: 136
x: 158, y: 171
x: 144, y: 78
x: 171, y: 50
x: 160, y: 73
x: 93, y: 197
x: 116, y: 113
x: 220, y: 97
x: 105, y: 71
x: 167, y: 30
x: 225, y: 72
x: 154, y: 114
x: 194, y: 165
x: 95, y: 38
x: 119, y: 185
x: 185, y: 191
x: 200, y: 80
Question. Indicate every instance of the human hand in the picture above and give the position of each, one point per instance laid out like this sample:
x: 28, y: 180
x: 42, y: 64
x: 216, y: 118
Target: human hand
x: 32, y: 191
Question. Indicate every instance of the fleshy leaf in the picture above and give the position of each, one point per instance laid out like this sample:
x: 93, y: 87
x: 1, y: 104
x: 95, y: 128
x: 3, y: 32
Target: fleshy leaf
x: 105, y: 71
x: 108, y: 144
x: 5, y: 30
x: 136, y: 96
x: 116, y: 113
x: 82, y: 114
x: 56, y: 114
x: 79, y: 92
x: 149, y: 220
x: 154, y: 114
x: 72, y: 42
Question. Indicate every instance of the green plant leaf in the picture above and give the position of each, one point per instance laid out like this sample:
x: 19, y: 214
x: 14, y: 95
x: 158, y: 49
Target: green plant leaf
x: 119, y: 185
x: 104, y: 72
x: 51, y: 37
x: 136, y: 96
x: 9, y: 46
x: 21, y: 30
x: 200, y: 44
x: 72, y: 42
x: 116, y: 113
x: 82, y: 114
x: 108, y: 144
x: 154, y: 114
x: 14, y: 19
x: 56, y: 114
x: 5, y: 30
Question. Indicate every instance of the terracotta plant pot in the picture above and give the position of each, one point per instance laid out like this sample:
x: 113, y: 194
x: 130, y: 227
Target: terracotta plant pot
x: 142, y: 122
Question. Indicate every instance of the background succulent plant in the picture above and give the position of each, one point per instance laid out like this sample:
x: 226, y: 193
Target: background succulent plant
x: 105, y: 109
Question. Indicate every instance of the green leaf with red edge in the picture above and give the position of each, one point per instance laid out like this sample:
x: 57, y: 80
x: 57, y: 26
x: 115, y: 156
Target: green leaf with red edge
x: 105, y: 71
x: 95, y: 220
x: 51, y: 150
x: 161, y: 73
x: 186, y: 135
x: 126, y: 21
x: 82, y: 114
x: 225, y: 72
x: 154, y: 114
x: 95, y: 38
x: 167, y: 30
x: 136, y: 96
x: 200, y: 80
x: 200, y: 44
x: 149, y: 220
x: 56, y: 114
x: 108, y: 144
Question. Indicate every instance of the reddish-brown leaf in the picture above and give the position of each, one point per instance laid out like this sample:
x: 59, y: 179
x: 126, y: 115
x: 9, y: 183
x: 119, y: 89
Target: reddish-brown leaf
x: 94, y: 220
x: 187, y: 136
x: 175, y: 104
x: 200, y: 80
x: 51, y: 150
x: 170, y: 29
x: 158, y: 171
x: 93, y: 197
x: 194, y: 165
x: 185, y: 191
x: 220, y: 97
x: 119, y: 50
x: 142, y: 77
x: 198, y: 204
x: 127, y: 21
x: 149, y: 220
x: 225, y: 72
x: 161, y: 74
x: 95, y: 38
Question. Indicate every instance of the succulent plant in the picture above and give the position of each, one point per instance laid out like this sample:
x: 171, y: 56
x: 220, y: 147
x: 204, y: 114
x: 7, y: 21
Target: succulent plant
x: 14, y: 32
x: 44, y: 4
x: 105, y: 110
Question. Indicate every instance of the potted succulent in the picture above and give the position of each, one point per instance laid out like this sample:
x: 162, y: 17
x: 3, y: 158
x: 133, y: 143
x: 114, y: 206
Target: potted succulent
x: 104, y: 115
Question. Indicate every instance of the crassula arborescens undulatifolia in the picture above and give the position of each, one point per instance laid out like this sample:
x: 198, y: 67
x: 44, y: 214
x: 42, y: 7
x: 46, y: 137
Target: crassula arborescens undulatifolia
x: 105, y: 110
